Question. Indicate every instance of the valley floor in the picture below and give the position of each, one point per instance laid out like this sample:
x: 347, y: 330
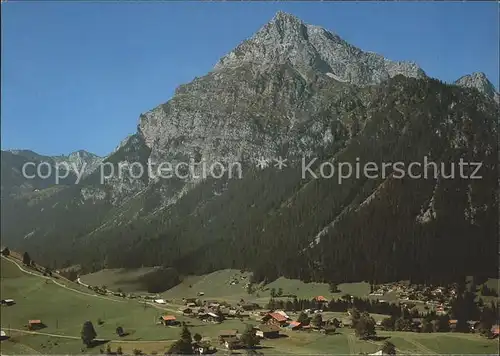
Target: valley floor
x: 63, y: 306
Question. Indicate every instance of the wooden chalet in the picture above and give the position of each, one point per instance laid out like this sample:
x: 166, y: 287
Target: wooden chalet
x: 229, y: 339
x: 186, y: 310
x: 168, y: 320
x: 274, y: 318
x: 8, y: 302
x: 294, y: 325
x: 249, y: 306
x: 495, y: 330
x: 35, y: 324
x: 320, y: 299
x: 268, y: 331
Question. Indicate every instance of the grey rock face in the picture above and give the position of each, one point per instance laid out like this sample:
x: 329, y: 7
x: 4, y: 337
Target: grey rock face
x: 259, y: 96
x: 75, y: 161
x: 80, y: 160
x: 479, y: 81
x: 288, y: 39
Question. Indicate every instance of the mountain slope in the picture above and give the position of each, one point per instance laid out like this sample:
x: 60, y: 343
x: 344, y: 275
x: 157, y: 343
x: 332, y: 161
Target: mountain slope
x: 480, y: 82
x: 300, y: 92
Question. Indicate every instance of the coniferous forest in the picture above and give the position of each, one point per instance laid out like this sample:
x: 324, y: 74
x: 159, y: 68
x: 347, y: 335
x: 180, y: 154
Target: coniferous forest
x: 277, y: 223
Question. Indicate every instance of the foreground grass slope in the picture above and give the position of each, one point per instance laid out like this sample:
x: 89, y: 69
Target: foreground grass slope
x: 64, y: 310
x: 220, y: 284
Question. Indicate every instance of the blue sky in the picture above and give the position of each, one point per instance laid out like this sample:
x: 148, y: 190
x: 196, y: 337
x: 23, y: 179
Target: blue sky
x: 78, y: 75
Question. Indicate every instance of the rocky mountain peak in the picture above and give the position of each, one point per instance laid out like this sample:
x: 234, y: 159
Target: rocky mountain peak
x: 287, y: 39
x: 81, y: 158
x: 82, y: 154
x: 479, y: 81
x: 283, y: 17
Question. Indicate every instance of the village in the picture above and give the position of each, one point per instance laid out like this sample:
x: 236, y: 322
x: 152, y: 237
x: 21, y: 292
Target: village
x: 224, y: 324
x: 282, y: 315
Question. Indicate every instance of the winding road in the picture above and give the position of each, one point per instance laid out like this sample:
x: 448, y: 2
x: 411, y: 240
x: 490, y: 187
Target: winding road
x: 84, y: 293
x: 79, y: 338
x: 60, y: 284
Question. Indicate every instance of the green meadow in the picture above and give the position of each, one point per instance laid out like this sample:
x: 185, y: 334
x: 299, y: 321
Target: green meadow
x: 64, y: 309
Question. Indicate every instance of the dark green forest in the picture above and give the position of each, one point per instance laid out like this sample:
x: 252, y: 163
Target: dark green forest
x: 267, y: 222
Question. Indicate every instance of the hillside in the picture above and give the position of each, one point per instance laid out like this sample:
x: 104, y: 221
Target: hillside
x: 301, y: 92
x: 39, y: 297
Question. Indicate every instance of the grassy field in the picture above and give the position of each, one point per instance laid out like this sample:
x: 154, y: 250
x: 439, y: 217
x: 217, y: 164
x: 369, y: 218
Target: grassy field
x: 217, y: 285
x: 64, y: 310
x: 125, y: 279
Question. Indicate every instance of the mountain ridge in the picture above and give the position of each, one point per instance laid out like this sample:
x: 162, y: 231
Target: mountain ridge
x: 287, y: 38
x: 284, y: 105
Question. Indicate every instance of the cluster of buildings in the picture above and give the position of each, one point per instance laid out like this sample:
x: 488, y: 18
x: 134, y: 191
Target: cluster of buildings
x: 215, y: 311
x: 435, y: 298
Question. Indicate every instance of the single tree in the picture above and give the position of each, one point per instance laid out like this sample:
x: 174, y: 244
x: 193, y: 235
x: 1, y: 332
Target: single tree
x: 137, y: 352
x: 6, y: 252
x: 402, y: 325
x: 444, y: 323
x: 388, y: 323
x: 119, y: 331
x: 88, y: 333
x: 388, y: 348
x: 365, y: 327
x: 108, y: 350
x: 183, y: 346
x: 26, y: 259
x: 280, y: 292
x: 119, y: 350
x: 427, y: 326
x: 485, y: 327
x: 197, y: 337
x: 355, y: 316
x: 303, y: 318
x: 317, y: 321
x: 334, y: 288
x: 273, y: 292
x: 249, y: 337
x: 335, y: 322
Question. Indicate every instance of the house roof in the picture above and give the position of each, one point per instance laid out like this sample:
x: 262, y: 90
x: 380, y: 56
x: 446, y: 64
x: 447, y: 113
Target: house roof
x: 294, y: 324
x: 228, y: 332
x: 278, y: 317
x: 231, y: 339
x: 168, y: 317
x: 320, y: 298
x: 249, y: 305
x: 453, y: 321
x: 268, y: 328
x: 34, y: 322
x: 2, y: 333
